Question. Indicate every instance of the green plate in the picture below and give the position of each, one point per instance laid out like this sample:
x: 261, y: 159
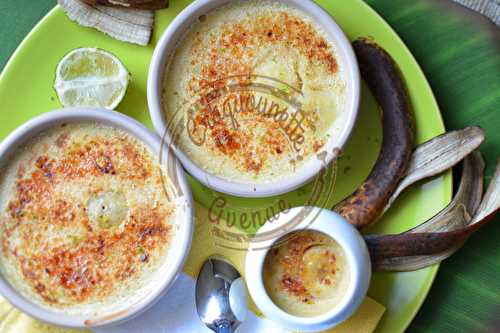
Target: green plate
x: 26, y: 91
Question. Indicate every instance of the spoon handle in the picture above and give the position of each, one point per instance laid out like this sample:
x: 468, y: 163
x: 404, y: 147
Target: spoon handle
x: 223, y: 327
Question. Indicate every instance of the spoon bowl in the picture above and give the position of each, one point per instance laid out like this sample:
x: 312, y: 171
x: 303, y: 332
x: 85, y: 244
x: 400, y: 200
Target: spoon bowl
x: 221, y: 300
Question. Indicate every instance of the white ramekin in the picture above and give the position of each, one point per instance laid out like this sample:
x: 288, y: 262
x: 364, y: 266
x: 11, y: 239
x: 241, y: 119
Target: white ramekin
x: 358, y: 259
x: 167, y: 44
x: 182, y: 239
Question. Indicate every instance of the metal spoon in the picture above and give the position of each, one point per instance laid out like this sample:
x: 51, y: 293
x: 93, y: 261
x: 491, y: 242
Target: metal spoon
x: 221, y: 299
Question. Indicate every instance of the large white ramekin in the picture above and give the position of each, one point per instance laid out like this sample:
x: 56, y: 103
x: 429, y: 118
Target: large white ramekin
x: 181, y: 240
x: 358, y: 260
x: 167, y: 44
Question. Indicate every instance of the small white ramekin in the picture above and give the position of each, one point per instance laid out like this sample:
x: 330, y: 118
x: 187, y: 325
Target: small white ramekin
x: 181, y: 240
x: 358, y: 260
x: 167, y: 45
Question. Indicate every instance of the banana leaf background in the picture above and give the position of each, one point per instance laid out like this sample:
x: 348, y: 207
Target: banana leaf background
x: 459, y: 51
